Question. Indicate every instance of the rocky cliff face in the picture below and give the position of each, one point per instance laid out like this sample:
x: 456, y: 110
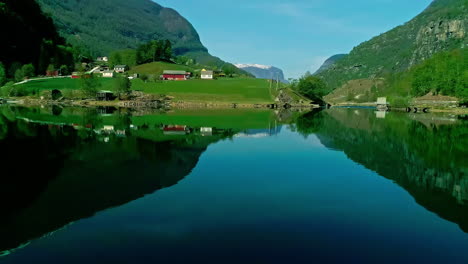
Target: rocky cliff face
x: 437, y: 36
x: 442, y: 26
x: 263, y: 71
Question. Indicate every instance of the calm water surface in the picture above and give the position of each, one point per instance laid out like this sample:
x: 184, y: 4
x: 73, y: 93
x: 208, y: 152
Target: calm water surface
x: 232, y: 186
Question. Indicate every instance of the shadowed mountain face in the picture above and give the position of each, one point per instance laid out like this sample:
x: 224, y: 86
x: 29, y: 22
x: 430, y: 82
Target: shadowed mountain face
x: 426, y: 155
x: 107, y: 25
x: 61, y: 173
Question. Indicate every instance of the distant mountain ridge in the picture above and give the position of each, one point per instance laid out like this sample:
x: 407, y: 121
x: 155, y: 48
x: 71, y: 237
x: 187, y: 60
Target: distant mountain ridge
x: 107, y: 25
x: 440, y: 27
x: 330, y: 62
x: 263, y: 71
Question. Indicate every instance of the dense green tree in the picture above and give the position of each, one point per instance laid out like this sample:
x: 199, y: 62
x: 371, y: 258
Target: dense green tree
x: 115, y: 58
x: 123, y: 57
x: 122, y: 85
x: 445, y: 73
x: 229, y: 69
x: 28, y: 70
x: 13, y: 68
x: 155, y: 50
x: 144, y: 77
x: 312, y: 87
x: 19, y: 75
x: 51, y: 68
x: 90, y: 85
x: 2, y: 74
x: 64, y: 70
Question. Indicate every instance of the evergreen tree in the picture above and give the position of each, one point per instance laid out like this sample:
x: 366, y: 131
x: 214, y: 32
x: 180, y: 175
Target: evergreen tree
x: 28, y: 70
x: 2, y: 74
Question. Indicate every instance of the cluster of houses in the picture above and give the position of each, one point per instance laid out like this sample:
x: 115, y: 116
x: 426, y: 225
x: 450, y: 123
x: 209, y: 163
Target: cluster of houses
x: 172, y: 75
x: 105, y: 71
x: 183, y: 75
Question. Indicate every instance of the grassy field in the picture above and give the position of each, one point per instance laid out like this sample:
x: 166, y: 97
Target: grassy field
x: 225, y: 90
x: 224, y: 118
x: 232, y: 90
x: 64, y: 84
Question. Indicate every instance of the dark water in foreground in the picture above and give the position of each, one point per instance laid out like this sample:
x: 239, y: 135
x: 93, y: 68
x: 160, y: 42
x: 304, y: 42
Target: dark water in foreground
x: 232, y: 186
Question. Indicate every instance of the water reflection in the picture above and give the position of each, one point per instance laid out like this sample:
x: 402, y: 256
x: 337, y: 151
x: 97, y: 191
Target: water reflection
x: 65, y: 164
x: 425, y: 154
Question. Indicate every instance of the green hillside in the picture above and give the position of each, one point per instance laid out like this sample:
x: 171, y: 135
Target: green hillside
x: 108, y: 25
x: 441, y: 27
x: 157, y: 68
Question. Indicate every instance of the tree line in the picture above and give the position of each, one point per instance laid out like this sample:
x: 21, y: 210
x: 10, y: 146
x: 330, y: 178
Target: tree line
x: 155, y: 50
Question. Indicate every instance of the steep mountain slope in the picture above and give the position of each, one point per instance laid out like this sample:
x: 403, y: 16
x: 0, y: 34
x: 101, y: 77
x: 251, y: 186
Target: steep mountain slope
x: 107, y: 25
x: 263, y: 71
x: 330, y: 62
x: 29, y: 37
x: 442, y: 26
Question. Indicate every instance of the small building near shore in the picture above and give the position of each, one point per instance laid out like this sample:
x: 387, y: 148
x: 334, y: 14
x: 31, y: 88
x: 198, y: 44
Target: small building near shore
x: 175, y: 75
x: 108, y: 74
x: 105, y: 96
x: 120, y: 68
x: 206, y: 75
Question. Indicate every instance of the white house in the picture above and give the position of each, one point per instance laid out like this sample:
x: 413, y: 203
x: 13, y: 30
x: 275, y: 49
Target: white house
x: 102, y: 59
x: 120, y: 68
x: 108, y: 74
x: 206, y: 75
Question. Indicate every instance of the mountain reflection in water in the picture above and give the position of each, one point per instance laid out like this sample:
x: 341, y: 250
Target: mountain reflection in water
x: 63, y: 165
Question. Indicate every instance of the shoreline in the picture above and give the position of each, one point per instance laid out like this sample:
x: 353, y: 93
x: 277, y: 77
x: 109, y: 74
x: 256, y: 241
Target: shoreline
x: 432, y: 108
x: 32, y: 102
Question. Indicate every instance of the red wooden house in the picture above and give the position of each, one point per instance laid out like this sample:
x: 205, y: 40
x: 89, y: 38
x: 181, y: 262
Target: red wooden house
x: 175, y: 75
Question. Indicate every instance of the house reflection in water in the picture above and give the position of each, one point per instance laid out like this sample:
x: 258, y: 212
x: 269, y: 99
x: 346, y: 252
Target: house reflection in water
x: 179, y: 130
x: 206, y: 131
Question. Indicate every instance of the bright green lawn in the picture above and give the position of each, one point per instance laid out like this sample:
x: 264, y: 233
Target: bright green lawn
x: 232, y: 90
x: 64, y: 84
x: 227, y: 90
x: 219, y: 118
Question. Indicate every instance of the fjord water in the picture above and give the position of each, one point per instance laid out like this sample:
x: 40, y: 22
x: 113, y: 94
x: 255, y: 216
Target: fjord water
x: 232, y: 186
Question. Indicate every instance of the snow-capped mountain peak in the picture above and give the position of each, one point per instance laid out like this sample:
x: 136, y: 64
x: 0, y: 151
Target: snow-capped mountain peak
x: 260, y: 66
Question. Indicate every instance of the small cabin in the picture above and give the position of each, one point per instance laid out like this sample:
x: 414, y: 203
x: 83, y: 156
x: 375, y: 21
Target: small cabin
x: 206, y: 75
x: 105, y: 96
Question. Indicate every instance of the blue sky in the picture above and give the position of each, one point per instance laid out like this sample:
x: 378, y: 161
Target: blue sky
x: 295, y: 35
